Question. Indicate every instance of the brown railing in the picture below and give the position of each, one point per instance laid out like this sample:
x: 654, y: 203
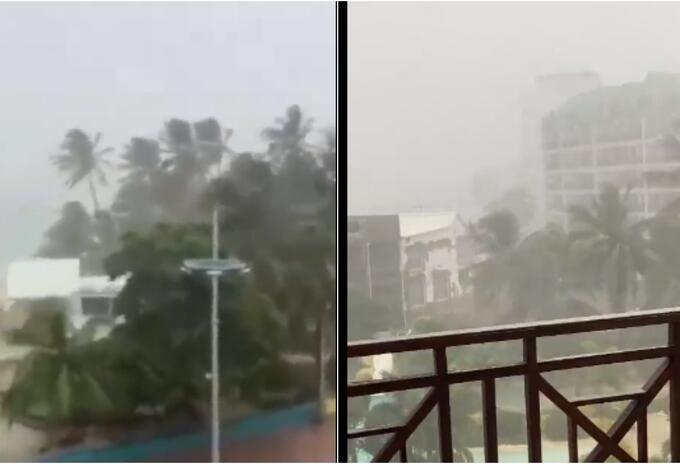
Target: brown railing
x: 531, y: 368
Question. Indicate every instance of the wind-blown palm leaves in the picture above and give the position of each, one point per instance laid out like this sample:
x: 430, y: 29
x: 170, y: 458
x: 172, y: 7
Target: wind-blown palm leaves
x: 605, y: 263
x: 59, y: 382
x: 613, y: 247
x: 289, y: 136
x: 71, y: 235
x: 136, y: 202
x: 82, y: 159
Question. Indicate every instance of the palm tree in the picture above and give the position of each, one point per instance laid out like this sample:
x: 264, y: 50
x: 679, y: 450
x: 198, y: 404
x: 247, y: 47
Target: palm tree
x: 289, y: 136
x: 211, y: 142
x: 612, y: 247
x: 142, y: 159
x: 497, y: 235
x: 57, y: 384
x: 135, y: 202
x: 71, y: 235
x: 530, y: 278
x: 82, y: 159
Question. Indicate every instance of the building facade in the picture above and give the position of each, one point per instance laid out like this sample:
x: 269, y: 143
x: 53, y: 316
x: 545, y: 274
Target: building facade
x: 406, y: 261
x: 621, y: 136
x: 548, y: 93
x: 85, y: 297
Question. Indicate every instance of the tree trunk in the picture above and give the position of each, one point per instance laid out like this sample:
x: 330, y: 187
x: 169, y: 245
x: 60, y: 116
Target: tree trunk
x: 93, y: 194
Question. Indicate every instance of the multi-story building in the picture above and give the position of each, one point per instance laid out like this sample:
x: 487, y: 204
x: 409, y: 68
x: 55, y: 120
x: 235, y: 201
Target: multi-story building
x: 618, y: 136
x: 406, y: 261
x: 547, y: 94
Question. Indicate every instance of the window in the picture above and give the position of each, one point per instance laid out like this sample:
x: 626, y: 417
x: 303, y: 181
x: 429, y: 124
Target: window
x: 629, y: 154
x: 553, y: 182
x: 552, y: 161
x: 662, y: 151
x: 578, y: 182
x: 658, y: 201
x: 621, y: 179
x: 576, y: 159
x: 555, y: 202
x: 97, y: 306
x: 585, y: 200
x: 441, y: 284
x: 663, y: 179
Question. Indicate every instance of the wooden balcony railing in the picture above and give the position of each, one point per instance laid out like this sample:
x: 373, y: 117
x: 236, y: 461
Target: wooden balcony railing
x: 531, y: 368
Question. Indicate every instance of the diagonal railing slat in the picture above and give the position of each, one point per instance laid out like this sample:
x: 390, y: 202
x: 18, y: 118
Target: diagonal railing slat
x: 397, y: 441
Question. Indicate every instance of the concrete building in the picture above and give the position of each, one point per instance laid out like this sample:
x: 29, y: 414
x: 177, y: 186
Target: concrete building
x: 86, y: 297
x: 548, y: 93
x: 613, y: 135
x: 406, y: 261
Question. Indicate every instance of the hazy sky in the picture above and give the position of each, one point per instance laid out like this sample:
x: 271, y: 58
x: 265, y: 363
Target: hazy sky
x: 434, y: 88
x: 126, y: 68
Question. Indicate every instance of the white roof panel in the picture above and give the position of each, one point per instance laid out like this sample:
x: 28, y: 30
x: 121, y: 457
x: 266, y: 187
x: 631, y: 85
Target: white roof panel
x: 42, y: 278
x: 411, y: 224
x: 101, y: 285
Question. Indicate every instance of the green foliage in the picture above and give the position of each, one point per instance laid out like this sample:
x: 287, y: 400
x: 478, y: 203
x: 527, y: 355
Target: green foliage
x: 604, y: 263
x: 62, y: 381
x: 276, y: 214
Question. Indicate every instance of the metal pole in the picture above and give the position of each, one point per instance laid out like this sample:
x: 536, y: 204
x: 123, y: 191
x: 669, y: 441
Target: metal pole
x: 215, y: 358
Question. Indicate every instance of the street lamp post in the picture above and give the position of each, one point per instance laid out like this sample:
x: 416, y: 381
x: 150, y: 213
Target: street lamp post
x: 215, y: 268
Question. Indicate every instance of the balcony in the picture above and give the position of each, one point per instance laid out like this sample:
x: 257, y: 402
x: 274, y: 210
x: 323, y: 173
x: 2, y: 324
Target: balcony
x: 535, y: 371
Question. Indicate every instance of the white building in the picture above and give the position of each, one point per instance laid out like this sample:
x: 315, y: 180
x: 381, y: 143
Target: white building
x: 407, y: 261
x: 614, y: 135
x: 429, y: 263
x: 87, y: 297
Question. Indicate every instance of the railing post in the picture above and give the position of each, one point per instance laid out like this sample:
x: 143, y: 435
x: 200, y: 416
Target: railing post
x: 674, y: 389
x: 572, y: 440
x: 642, y: 437
x: 532, y: 400
x: 443, y: 405
x: 490, y: 421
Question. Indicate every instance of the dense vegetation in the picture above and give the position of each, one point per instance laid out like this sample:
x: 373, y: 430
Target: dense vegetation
x: 277, y: 213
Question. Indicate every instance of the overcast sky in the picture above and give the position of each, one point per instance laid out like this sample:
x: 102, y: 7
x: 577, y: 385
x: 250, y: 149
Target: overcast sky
x: 126, y: 68
x: 434, y: 88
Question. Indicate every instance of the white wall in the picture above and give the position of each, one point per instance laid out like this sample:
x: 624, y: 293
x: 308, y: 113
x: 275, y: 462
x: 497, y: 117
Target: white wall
x: 441, y: 258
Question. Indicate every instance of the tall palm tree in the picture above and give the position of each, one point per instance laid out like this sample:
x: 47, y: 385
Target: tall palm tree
x: 211, y: 142
x: 613, y: 247
x: 80, y: 158
x: 135, y: 202
x: 288, y: 137
x: 530, y: 278
x: 497, y: 235
x: 142, y: 159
